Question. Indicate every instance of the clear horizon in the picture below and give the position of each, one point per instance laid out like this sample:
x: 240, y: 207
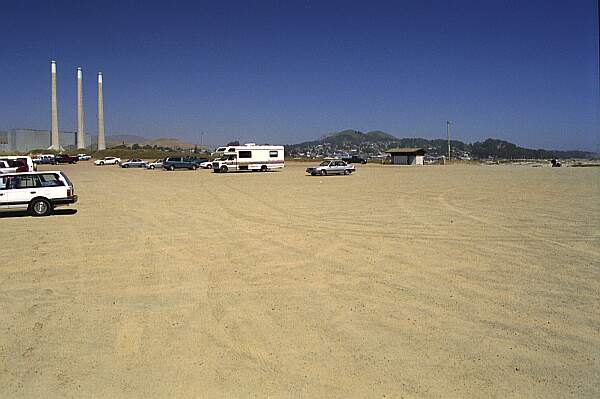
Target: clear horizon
x: 288, y: 73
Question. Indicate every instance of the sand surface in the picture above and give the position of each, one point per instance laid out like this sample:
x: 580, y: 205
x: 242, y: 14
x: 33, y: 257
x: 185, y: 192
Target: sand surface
x: 457, y: 281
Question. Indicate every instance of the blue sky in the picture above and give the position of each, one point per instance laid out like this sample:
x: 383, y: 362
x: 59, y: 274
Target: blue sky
x: 290, y: 71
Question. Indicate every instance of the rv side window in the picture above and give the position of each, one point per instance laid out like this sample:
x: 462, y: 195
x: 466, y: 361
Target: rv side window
x: 245, y: 154
x: 273, y: 154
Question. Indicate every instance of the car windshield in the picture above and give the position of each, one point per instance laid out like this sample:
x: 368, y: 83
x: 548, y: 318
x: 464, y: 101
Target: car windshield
x: 324, y: 163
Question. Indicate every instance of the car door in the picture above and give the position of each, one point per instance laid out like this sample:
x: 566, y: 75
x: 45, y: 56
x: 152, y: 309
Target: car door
x: 4, y: 192
x: 24, y: 189
x: 336, y: 168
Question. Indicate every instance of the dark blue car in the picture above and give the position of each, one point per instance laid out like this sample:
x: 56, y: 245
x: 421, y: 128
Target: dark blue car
x: 191, y: 163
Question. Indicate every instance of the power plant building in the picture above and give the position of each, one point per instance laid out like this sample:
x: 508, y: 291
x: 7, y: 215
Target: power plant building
x: 25, y: 140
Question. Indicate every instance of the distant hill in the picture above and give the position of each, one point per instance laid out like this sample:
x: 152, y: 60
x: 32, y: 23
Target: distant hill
x: 356, y: 137
x: 130, y: 139
x: 117, y: 139
x: 170, y: 143
x: 375, y: 142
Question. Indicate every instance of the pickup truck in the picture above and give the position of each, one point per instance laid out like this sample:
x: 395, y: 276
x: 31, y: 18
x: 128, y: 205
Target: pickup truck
x: 13, y: 166
x: 65, y: 158
x: 4, y: 168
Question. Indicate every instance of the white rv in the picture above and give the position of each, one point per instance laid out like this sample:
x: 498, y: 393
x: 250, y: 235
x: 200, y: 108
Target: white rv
x: 250, y: 157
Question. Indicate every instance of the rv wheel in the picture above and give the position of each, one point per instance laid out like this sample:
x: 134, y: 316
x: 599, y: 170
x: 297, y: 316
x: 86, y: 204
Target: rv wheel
x: 224, y: 169
x: 263, y: 168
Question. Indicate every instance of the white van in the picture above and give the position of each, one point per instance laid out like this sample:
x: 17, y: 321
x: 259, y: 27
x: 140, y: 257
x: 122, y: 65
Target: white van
x: 36, y: 192
x: 250, y: 157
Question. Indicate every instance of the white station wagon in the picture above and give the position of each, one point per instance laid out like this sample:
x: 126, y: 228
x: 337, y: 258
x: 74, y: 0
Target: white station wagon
x: 36, y: 192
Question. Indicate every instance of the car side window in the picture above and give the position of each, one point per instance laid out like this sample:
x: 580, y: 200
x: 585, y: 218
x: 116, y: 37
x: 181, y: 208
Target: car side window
x: 27, y: 181
x: 50, y: 180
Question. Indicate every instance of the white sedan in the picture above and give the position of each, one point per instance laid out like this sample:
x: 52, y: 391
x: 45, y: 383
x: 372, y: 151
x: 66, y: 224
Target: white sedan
x: 206, y: 165
x: 107, y: 161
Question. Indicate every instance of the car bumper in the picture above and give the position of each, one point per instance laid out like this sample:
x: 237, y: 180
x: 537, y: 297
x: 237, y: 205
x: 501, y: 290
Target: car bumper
x: 64, y: 201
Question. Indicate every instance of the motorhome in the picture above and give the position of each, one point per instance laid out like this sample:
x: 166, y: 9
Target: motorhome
x: 250, y: 157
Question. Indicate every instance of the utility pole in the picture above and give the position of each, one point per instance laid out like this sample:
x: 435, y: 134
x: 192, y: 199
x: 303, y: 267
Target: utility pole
x: 448, y: 132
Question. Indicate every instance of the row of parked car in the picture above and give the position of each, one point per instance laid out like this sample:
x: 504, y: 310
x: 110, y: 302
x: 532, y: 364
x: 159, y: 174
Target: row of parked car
x: 52, y: 159
x: 170, y: 163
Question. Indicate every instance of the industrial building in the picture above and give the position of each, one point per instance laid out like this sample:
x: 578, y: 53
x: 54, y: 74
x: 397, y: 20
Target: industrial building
x: 25, y: 140
x: 406, y: 156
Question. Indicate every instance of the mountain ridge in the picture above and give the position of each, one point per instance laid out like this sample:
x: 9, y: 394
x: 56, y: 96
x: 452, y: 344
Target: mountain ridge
x: 377, y: 141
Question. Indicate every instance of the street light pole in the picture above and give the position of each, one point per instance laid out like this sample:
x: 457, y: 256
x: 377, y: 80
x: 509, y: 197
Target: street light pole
x: 448, y: 132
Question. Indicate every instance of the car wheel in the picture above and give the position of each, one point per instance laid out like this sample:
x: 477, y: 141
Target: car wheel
x: 194, y: 167
x: 263, y: 168
x: 171, y: 168
x: 40, y: 207
x: 323, y: 173
x: 101, y: 163
x: 346, y: 172
x: 151, y: 167
x: 224, y: 169
x: 209, y: 167
x: 125, y: 166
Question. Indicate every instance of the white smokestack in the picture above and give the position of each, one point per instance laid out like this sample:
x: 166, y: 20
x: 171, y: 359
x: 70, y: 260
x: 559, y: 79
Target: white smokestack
x: 101, y: 139
x: 54, y: 138
x: 80, y: 124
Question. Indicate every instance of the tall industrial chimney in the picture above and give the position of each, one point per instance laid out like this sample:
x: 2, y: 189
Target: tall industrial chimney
x: 80, y: 126
x: 54, y: 138
x: 101, y: 139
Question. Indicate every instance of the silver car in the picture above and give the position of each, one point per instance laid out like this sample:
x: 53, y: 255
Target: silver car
x: 134, y: 163
x: 157, y: 164
x: 333, y: 167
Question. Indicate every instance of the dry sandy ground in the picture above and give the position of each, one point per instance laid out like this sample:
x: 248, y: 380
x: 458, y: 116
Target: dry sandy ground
x: 458, y: 281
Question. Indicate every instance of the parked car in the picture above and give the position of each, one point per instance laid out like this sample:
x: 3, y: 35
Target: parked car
x: 44, y: 159
x: 107, y: 161
x: 354, y: 159
x: 65, y: 158
x: 36, y: 192
x: 172, y: 163
x: 84, y: 157
x: 134, y: 163
x: 206, y: 165
x: 22, y: 162
x: 158, y: 163
x: 333, y: 167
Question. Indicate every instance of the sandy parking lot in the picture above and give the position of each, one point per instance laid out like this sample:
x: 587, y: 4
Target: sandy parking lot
x: 459, y: 281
